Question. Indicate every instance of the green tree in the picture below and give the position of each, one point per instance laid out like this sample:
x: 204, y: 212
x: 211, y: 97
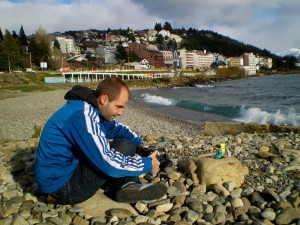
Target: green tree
x: 40, y: 46
x: 1, y: 34
x: 133, y: 57
x: 172, y: 43
x: 22, y: 37
x: 10, y: 54
x: 56, y: 44
x: 131, y: 37
x: 167, y: 26
x: 33, y: 48
x: 158, y: 27
x: 159, y: 39
x: 57, y: 58
x: 121, y: 54
x: 14, y: 34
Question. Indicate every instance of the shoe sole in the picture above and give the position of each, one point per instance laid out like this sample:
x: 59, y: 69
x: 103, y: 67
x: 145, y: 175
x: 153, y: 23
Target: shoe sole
x: 150, y: 193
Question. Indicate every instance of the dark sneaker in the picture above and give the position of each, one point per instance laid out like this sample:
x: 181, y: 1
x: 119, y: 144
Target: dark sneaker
x: 141, y: 192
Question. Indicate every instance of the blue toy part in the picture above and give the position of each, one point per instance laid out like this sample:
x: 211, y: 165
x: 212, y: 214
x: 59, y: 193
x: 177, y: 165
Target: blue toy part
x: 219, y: 155
x: 221, y: 152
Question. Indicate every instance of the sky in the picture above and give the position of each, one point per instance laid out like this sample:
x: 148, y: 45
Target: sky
x: 267, y: 24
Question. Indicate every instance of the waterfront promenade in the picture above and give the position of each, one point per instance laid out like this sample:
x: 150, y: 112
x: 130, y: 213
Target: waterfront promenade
x: 96, y: 76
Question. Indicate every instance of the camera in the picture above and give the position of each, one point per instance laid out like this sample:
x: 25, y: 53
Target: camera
x: 161, y: 156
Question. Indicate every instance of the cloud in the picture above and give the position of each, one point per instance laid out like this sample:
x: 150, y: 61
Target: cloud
x: 82, y: 15
x: 270, y: 24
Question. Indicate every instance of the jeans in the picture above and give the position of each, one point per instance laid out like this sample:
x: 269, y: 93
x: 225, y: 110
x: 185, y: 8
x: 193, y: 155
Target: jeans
x: 85, y: 181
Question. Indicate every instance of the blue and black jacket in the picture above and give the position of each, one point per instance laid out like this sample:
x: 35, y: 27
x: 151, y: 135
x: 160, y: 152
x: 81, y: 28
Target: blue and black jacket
x: 78, y: 133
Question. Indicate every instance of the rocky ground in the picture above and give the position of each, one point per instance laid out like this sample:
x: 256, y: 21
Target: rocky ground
x: 269, y: 194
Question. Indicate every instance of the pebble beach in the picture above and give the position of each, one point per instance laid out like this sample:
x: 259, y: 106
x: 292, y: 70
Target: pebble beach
x: 269, y: 194
x: 21, y: 112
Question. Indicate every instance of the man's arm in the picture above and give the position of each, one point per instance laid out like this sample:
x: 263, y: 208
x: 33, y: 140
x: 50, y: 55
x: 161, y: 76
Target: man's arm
x: 115, y: 129
x: 86, y: 133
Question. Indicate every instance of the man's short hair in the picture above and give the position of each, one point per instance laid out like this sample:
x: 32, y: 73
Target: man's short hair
x: 111, y: 87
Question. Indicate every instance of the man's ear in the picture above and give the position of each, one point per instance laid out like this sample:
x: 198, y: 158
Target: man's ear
x: 102, y: 99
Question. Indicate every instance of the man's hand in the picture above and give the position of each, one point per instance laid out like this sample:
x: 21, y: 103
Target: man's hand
x: 155, y: 162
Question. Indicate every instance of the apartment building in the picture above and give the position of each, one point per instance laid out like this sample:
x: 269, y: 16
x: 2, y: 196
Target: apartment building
x: 235, y: 62
x: 147, y: 52
x: 107, y: 54
x: 135, y: 46
x: 155, y: 58
x: 168, y: 58
x: 265, y: 62
x: 77, y: 50
x: 195, y: 60
x: 250, y: 62
x: 67, y: 45
x: 205, y: 60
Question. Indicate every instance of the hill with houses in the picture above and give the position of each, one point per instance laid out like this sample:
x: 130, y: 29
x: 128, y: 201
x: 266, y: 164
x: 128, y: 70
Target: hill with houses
x: 160, y: 48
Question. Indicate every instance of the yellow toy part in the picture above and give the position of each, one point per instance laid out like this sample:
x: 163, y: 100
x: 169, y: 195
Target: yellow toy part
x: 223, y: 148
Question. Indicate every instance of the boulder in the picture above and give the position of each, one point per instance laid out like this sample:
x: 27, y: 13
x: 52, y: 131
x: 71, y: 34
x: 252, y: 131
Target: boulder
x: 224, y: 128
x: 100, y: 204
x: 208, y: 171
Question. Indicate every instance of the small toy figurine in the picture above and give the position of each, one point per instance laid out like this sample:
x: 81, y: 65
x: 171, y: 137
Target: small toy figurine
x: 222, y: 151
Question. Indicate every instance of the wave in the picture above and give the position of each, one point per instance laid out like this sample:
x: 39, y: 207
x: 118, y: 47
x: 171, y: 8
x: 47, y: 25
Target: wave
x: 224, y: 110
x: 204, y: 86
x: 256, y: 115
x: 197, y: 86
x: 157, y: 99
x: 237, y: 113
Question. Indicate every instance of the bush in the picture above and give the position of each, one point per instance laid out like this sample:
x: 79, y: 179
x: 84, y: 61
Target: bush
x: 232, y: 72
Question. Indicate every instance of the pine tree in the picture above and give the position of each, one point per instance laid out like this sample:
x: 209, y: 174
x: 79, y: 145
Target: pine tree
x: 158, y: 27
x: 14, y: 34
x: 121, y: 54
x: 1, y: 35
x: 22, y: 37
x: 10, y: 54
x: 167, y: 26
x: 56, y: 44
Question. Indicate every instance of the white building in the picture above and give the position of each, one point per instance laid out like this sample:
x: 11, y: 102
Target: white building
x: 67, y: 45
x: 107, y: 53
x: 177, y: 38
x: 164, y: 33
x: 265, y: 62
x: 194, y: 60
x: 168, y: 58
x: 205, y: 60
x: 250, y: 62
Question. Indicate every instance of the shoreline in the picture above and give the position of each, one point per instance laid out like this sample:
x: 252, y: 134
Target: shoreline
x: 271, y: 159
x: 21, y: 113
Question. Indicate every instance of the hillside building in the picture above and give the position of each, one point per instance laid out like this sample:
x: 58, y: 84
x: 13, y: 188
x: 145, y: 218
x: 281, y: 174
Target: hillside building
x: 67, y: 45
x: 167, y: 58
x: 234, y: 62
x: 250, y: 62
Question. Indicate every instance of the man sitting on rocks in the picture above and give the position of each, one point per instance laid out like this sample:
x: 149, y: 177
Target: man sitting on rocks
x: 75, y: 159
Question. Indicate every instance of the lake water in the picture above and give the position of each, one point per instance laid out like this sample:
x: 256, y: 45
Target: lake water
x: 267, y: 99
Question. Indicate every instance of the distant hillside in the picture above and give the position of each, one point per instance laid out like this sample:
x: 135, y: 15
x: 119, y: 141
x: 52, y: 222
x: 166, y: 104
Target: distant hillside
x: 214, y: 42
x: 208, y: 40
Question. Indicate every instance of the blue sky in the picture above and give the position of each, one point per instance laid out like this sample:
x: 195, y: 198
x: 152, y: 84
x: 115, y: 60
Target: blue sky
x: 270, y: 24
